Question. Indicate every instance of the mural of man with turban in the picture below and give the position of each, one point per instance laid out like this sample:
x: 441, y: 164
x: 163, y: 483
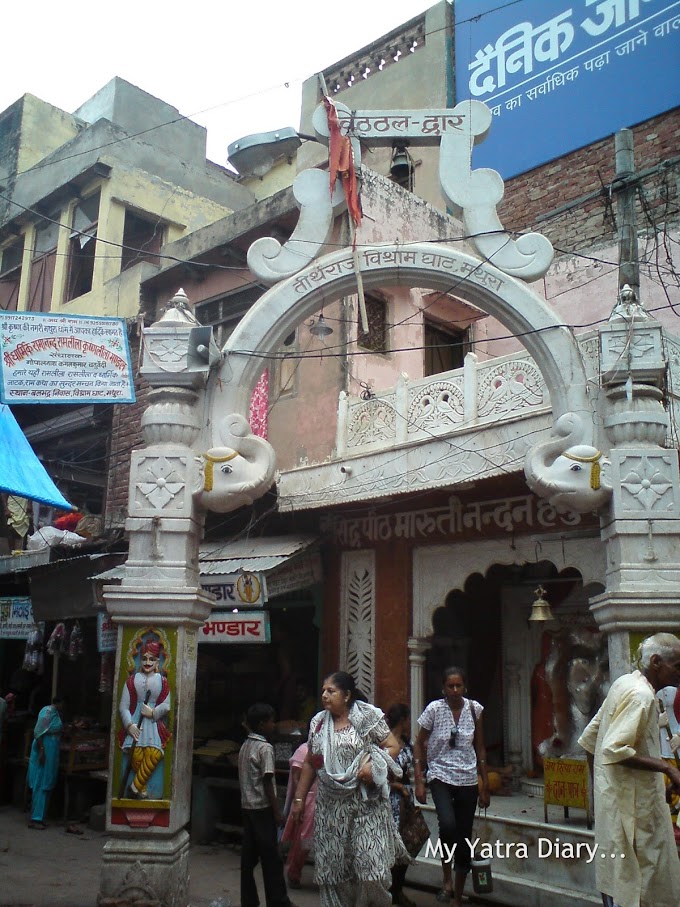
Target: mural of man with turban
x: 144, y: 704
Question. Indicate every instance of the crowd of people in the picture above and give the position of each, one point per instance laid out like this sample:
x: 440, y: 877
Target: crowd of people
x: 348, y: 787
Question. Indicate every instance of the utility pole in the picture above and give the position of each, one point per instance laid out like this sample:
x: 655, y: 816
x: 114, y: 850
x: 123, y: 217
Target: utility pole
x: 629, y: 265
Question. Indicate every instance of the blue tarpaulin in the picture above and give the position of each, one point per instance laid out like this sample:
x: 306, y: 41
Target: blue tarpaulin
x: 21, y: 472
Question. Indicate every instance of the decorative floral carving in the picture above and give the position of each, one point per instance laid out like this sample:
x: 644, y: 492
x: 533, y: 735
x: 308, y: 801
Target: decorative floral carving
x: 647, y: 483
x: 160, y: 479
x: 510, y: 387
x: 438, y: 406
x: 359, y: 620
x: 373, y: 420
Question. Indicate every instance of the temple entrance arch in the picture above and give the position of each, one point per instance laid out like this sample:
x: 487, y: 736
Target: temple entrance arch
x: 434, y: 267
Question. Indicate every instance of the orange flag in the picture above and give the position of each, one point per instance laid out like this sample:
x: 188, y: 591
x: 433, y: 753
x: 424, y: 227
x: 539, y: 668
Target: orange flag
x: 341, y: 162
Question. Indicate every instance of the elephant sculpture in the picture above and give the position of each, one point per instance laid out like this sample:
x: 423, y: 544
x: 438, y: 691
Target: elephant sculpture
x: 238, y: 472
x: 573, y: 476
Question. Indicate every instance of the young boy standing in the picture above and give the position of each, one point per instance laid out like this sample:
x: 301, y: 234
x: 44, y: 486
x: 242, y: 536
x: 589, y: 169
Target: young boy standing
x: 261, y: 812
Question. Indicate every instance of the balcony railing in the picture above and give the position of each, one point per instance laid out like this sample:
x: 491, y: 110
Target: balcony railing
x: 493, y: 391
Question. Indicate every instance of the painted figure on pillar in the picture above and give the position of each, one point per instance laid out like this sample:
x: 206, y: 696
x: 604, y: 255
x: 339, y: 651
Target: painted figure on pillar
x: 144, y: 706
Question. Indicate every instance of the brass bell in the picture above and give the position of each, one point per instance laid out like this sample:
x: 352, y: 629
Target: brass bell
x: 540, y: 610
x: 401, y: 166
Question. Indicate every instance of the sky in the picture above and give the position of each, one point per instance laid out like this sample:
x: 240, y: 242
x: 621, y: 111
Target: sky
x: 234, y: 67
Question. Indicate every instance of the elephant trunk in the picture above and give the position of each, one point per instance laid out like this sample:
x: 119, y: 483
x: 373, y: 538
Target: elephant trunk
x: 568, y: 428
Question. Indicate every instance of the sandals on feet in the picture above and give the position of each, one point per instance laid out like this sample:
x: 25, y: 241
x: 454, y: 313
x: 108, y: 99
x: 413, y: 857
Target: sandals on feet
x: 444, y: 896
x: 41, y: 826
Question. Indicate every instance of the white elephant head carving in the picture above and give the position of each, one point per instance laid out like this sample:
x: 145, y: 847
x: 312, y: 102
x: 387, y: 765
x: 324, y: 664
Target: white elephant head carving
x: 240, y: 471
x: 572, y: 476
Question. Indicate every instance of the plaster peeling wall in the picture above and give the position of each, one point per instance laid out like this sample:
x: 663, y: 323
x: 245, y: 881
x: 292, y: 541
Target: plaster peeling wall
x: 357, y: 619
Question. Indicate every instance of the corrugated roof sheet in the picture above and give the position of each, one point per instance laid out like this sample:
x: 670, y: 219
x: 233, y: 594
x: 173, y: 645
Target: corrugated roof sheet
x: 252, y: 555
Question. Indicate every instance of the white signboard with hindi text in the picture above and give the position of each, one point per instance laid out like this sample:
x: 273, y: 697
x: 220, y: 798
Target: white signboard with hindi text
x: 246, y: 626
x: 16, y: 618
x: 64, y: 359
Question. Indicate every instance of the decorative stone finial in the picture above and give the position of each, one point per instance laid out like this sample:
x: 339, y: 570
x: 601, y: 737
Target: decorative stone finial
x: 178, y: 311
x: 627, y: 307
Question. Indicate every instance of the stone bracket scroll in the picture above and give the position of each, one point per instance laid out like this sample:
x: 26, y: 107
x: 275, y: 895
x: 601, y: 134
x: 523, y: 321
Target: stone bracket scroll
x: 474, y: 194
x: 270, y: 261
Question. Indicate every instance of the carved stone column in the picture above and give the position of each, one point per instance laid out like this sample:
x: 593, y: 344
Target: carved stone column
x: 642, y: 529
x: 158, y: 608
x: 416, y: 661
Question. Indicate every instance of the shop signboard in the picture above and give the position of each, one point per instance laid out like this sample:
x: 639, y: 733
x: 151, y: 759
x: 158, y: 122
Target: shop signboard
x: 16, y: 618
x: 596, y: 65
x: 64, y: 359
x: 107, y: 633
x: 239, y: 589
x: 300, y: 574
x: 230, y: 627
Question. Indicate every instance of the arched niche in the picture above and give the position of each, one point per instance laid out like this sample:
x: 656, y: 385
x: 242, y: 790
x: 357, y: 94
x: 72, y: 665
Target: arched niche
x: 423, y: 265
x: 436, y: 572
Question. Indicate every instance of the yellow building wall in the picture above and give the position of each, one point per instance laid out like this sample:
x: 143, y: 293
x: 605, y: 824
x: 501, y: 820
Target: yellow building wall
x: 44, y: 128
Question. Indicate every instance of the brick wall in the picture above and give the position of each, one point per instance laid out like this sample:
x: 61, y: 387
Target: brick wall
x: 126, y: 435
x: 533, y: 200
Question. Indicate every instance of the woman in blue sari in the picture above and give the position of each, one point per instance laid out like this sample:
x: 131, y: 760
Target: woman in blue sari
x: 43, y: 765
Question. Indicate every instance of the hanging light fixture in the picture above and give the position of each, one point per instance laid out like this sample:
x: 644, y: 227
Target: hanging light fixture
x: 540, y: 610
x: 319, y: 328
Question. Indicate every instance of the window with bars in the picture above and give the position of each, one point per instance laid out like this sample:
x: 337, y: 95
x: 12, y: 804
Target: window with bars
x: 82, y: 247
x: 225, y: 312
x: 375, y: 338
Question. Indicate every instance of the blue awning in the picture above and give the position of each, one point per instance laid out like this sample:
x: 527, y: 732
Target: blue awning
x: 21, y: 472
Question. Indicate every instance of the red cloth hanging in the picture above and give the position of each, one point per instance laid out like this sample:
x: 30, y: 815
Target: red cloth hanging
x: 341, y: 162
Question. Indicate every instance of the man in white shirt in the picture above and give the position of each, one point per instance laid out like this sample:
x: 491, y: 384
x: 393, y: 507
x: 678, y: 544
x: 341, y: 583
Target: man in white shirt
x: 640, y: 866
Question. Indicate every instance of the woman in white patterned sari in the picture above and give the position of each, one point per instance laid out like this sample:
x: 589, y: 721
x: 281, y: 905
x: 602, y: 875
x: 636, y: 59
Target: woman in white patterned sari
x: 351, y: 750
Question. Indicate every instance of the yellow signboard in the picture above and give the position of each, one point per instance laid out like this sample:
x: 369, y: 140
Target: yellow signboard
x: 565, y: 783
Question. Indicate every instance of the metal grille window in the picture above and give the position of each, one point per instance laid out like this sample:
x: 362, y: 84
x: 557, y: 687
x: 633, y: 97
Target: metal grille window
x: 375, y: 339
x: 225, y: 312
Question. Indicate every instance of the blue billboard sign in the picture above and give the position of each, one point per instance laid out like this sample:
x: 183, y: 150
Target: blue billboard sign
x: 558, y: 75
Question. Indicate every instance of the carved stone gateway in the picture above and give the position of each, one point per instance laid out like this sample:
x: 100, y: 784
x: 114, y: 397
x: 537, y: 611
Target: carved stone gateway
x: 200, y: 455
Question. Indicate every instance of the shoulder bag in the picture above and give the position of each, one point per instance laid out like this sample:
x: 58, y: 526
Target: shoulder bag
x: 413, y: 828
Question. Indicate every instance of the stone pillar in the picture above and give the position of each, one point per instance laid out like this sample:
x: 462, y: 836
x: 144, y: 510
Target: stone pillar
x: 416, y: 661
x: 158, y: 607
x: 642, y: 529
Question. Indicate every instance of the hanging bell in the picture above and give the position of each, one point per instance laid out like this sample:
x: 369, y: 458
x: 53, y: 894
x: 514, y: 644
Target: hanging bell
x: 540, y: 610
x: 401, y: 166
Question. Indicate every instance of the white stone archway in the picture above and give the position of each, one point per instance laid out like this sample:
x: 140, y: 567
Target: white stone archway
x: 424, y: 265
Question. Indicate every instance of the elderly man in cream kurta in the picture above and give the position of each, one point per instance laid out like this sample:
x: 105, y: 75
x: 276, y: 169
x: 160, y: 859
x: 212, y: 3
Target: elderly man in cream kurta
x: 640, y: 866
